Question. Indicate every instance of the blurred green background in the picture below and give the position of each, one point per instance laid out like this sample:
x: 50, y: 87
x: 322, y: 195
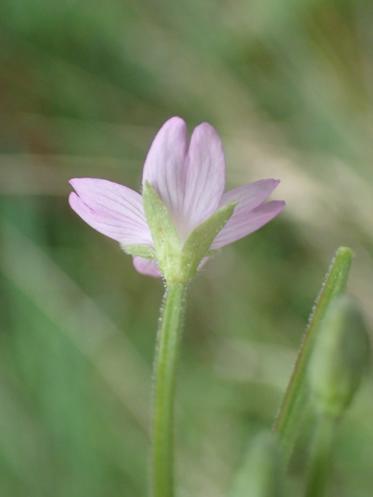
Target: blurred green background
x: 83, y: 88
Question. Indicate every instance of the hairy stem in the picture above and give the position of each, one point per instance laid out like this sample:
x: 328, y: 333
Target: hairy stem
x: 168, y: 338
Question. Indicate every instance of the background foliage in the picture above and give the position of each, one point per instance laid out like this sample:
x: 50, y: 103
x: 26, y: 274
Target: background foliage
x: 83, y: 88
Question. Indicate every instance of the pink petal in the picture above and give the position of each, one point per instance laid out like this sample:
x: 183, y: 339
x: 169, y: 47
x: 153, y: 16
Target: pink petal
x: 165, y: 163
x: 205, y: 176
x: 112, y: 209
x: 249, y: 196
x: 247, y: 222
x: 147, y: 267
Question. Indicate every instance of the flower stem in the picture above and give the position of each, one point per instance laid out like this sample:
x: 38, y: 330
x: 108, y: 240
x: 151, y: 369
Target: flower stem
x: 169, y: 332
x: 319, y: 465
x: 289, y: 417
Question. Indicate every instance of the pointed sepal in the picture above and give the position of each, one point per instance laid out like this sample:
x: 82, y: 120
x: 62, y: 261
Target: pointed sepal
x: 197, y: 245
x: 145, y: 251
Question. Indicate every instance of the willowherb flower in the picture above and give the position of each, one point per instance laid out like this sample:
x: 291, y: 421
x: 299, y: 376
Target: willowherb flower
x: 183, y: 206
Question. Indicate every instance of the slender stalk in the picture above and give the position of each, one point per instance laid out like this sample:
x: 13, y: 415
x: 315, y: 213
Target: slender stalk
x: 320, y: 462
x: 164, y: 387
x: 289, y: 416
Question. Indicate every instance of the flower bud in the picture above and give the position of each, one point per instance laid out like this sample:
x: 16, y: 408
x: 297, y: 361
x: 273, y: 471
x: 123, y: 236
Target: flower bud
x: 261, y: 473
x: 339, y: 358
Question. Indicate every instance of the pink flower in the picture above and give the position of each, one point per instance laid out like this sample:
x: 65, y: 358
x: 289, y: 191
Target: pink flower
x: 189, y: 176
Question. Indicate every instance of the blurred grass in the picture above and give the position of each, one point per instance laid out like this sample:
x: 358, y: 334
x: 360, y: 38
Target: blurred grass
x: 83, y: 88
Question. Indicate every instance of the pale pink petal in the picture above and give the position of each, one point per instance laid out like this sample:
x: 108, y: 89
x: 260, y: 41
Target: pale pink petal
x: 165, y: 163
x: 146, y: 266
x: 248, y: 197
x: 247, y: 222
x: 205, y: 176
x: 112, y: 209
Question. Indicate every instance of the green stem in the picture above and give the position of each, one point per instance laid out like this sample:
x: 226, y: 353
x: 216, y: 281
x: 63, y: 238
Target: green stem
x: 320, y: 462
x: 164, y: 388
x: 289, y: 417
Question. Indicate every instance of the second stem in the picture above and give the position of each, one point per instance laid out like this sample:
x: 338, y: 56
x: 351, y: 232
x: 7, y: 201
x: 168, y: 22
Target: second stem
x: 319, y: 465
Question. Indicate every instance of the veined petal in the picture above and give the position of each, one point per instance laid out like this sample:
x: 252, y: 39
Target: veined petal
x: 248, y: 197
x: 146, y: 266
x: 204, y: 176
x: 112, y: 209
x: 165, y: 163
x: 247, y: 222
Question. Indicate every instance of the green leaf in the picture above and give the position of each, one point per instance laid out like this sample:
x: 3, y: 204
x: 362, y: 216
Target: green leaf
x: 199, y: 241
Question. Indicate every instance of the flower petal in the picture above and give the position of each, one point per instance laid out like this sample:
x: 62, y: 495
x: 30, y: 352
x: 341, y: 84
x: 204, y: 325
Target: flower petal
x: 248, y: 197
x: 247, y: 222
x: 146, y: 266
x: 112, y: 209
x: 204, y: 176
x: 165, y: 163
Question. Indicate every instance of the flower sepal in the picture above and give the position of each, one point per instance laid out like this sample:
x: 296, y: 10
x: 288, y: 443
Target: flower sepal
x: 144, y: 251
x: 165, y: 238
x: 197, y: 245
x: 178, y: 261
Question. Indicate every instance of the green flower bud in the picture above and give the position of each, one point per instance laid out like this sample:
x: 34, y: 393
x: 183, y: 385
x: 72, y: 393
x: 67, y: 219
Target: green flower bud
x: 261, y: 474
x: 339, y: 358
